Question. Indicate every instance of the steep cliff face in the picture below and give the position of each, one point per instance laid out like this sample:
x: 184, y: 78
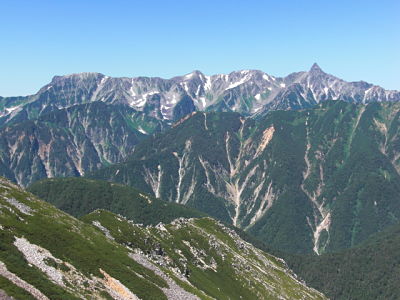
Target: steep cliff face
x: 72, y: 141
x: 314, y: 180
x: 47, y: 254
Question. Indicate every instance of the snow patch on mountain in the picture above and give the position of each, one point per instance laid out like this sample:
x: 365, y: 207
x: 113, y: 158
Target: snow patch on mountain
x: 241, y: 91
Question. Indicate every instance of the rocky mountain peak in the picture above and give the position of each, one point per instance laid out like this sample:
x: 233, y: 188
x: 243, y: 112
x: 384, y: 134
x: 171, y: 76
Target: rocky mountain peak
x: 247, y: 92
x: 77, y: 77
x: 80, y: 75
x: 315, y: 68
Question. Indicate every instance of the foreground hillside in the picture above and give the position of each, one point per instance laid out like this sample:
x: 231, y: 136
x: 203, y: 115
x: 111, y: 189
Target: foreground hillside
x: 357, y: 273
x: 315, y: 180
x: 47, y: 254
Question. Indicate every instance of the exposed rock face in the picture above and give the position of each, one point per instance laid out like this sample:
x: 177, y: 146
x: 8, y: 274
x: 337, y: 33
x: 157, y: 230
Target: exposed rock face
x: 20, y: 283
x: 116, y: 289
x: 174, y: 291
x: 4, y: 296
x: 37, y: 256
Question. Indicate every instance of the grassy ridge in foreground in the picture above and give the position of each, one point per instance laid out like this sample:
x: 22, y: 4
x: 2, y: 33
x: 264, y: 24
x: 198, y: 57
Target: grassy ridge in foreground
x: 110, y: 257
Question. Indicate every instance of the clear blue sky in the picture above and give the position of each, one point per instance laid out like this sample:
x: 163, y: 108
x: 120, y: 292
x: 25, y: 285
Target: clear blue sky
x: 354, y: 40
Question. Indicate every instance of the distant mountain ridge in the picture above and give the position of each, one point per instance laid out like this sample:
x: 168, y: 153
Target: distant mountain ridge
x: 79, y: 123
x: 249, y: 92
x: 71, y: 141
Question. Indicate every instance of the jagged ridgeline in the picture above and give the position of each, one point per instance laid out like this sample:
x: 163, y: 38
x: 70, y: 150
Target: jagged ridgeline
x: 48, y: 254
x: 248, y: 92
x: 313, y: 180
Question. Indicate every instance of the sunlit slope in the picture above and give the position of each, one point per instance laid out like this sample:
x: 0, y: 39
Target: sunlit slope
x: 47, y: 254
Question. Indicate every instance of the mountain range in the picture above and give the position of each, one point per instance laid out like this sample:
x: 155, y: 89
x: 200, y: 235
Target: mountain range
x: 248, y: 92
x: 320, y: 179
x: 61, y: 127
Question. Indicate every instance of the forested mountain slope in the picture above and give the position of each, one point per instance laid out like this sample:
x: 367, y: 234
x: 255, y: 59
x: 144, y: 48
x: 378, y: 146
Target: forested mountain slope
x: 368, y: 271
x: 317, y: 180
x: 80, y: 196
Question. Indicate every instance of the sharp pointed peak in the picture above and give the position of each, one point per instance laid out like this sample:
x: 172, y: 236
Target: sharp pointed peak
x: 315, y: 68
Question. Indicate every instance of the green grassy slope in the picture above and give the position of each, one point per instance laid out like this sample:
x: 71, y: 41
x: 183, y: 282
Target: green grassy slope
x: 74, y: 244
x: 214, y: 258
x: 108, y: 257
